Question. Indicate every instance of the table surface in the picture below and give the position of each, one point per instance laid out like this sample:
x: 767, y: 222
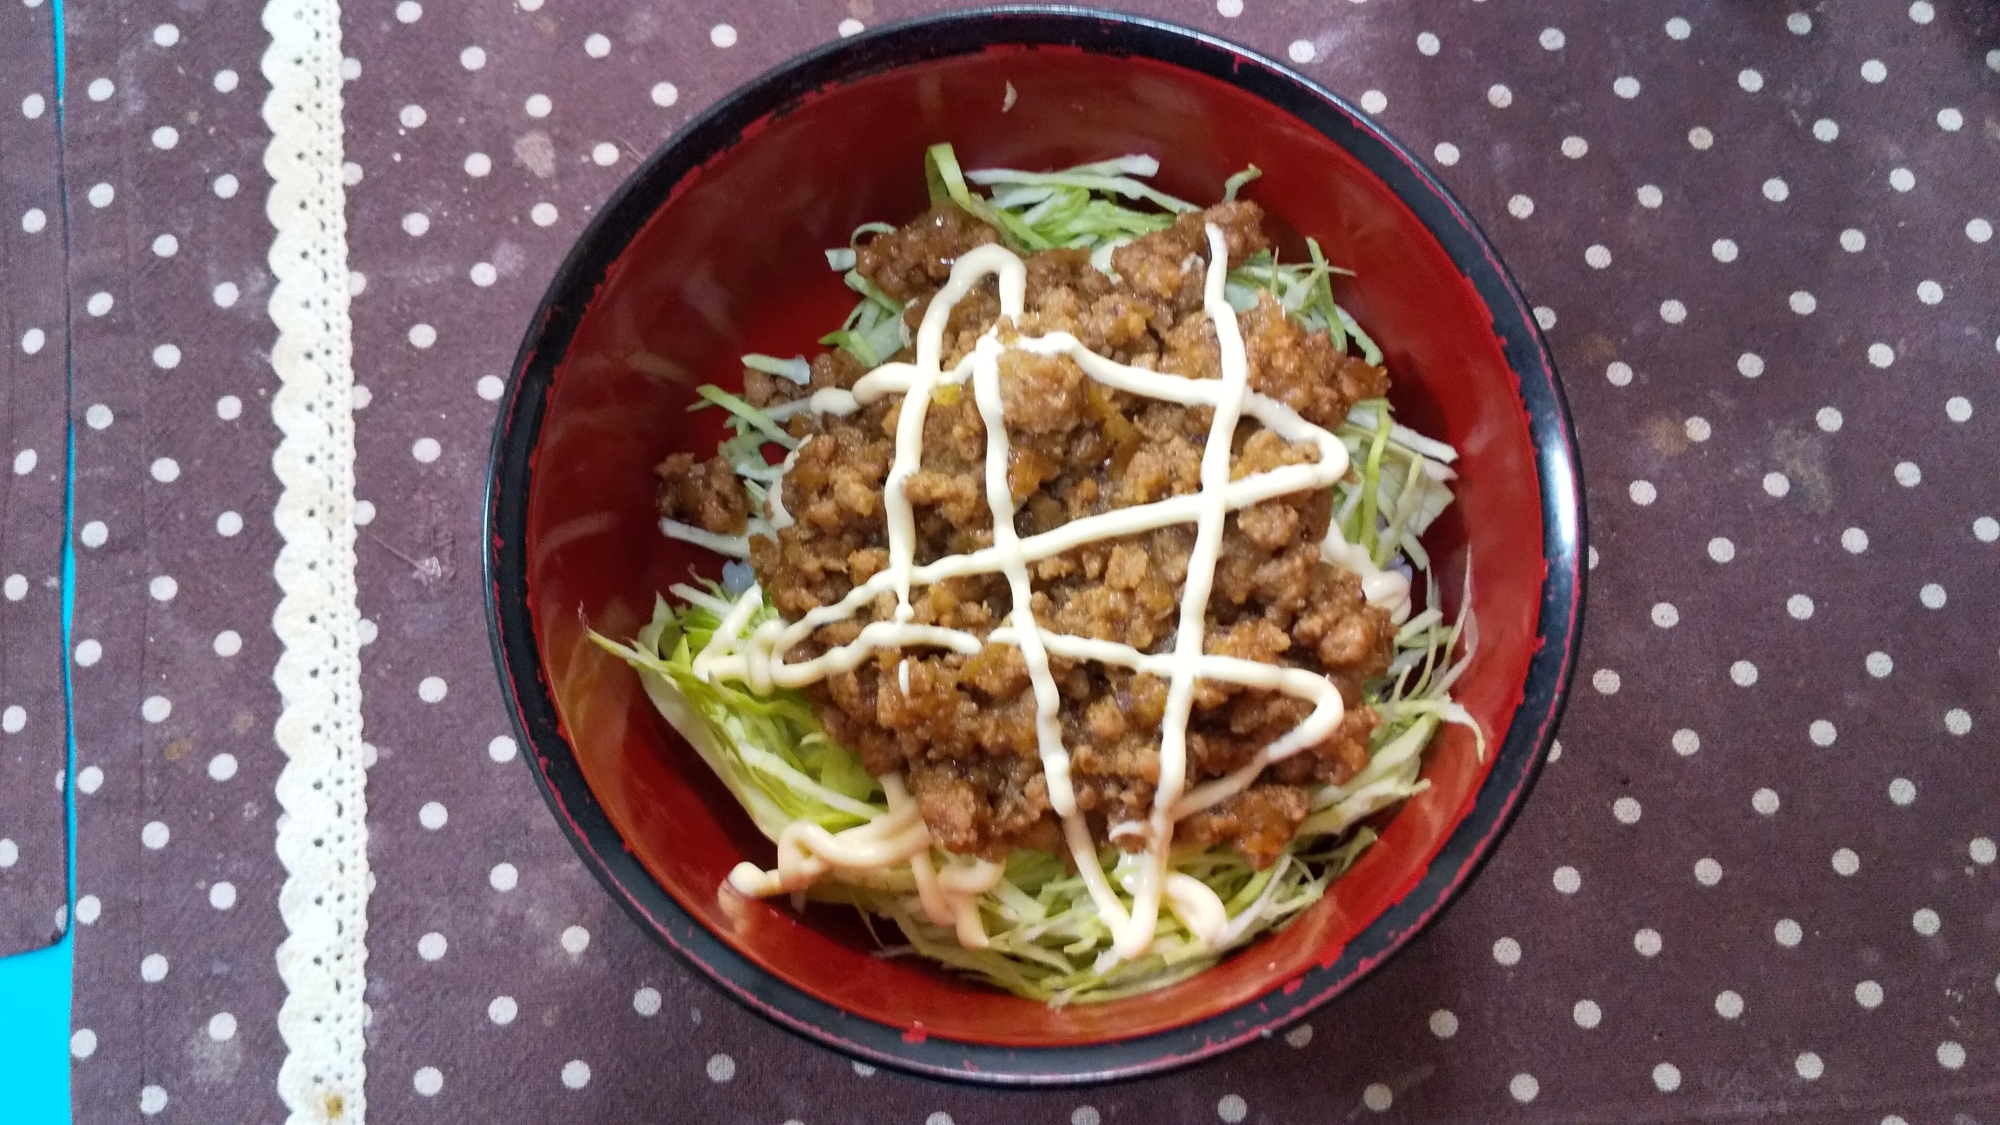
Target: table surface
x: 1757, y: 880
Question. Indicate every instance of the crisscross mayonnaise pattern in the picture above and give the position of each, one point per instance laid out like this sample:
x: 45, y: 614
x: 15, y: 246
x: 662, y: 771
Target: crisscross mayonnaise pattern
x: 758, y: 659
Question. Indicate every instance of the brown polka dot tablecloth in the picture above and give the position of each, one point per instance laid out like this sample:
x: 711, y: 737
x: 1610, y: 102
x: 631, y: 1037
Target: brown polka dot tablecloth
x: 33, y: 387
x: 1757, y: 880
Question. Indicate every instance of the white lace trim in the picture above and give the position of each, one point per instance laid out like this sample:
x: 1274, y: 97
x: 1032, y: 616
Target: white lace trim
x: 322, y: 836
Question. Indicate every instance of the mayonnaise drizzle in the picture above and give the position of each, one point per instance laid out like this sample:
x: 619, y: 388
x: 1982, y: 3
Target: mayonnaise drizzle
x: 807, y: 852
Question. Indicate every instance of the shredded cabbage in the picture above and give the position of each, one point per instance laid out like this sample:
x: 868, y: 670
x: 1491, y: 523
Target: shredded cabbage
x: 1047, y: 941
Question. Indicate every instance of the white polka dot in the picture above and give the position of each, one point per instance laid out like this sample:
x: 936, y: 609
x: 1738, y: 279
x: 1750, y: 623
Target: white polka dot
x: 225, y: 186
x: 503, y: 877
x: 646, y: 1001
x: 476, y: 165
x: 422, y: 335
x: 1932, y: 596
x: 1697, y: 428
x: 1950, y: 1055
x: 24, y: 462
x: 1765, y: 801
x: 166, y: 470
x: 1881, y: 355
x: 665, y: 94
x: 1777, y: 190
x: 412, y: 116
x: 1507, y: 951
x: 1673, y: 312
x: 431, y: 946
x: 1826, y: 130
x: 1809, y: 1066
x: 721, y: 1068
x: 502, y: 1010
x: 1853, y: 241
x: 83, y: 1044
x: 1520, y: 206
x: 1626, y: 87
x: 544, y: 214
x: 1874, y: 71
x: 426, y: 450
x: 409, y: 11
x: 1728, y: 1004
x: 1567, y: 880
x: 575, y: 939
x: 1597, y: 257
x: 1678, y: 28
x: 364, y: 629
x: 1376, y: 1097
x: 1921, y: 11
x: 152, y: 1100
x: 1846, y: 861
x: 1855, y: 540
x: 1721, y: 549
x: 1524, y: 1087
x: 153, y: 969
x: 1707, y: 872
x: 428, y: 1081
x: 431, y: 689
x: 1427, y: 43
x: 1301, y: 51
x: 1651, y: 197
x: 1500, y: 97
x: 17, y: 587
x: 94, y: 534
x: 156, y: 708
x: 166, y: 357
x: 225, y: 295
x: 100, y: 89
x: 1902, y: 179
x: 163, y: 588
x: 34, y: 219
x: 1788, y: 933
x: 1618, y: 374
x: 228, y: 524
x: 10, y: 854
x: 596, y: 45
x: 222, y: 767
x: 1724, y: 250
x: 1667, y: 1078
x: 483, y: 274
x: 604, y: 154
x: 576, y: 1073
x: 472, y: 58
x: 1743, y: 672
x: 1979, y: 230
x: 1444, y: 1023
x: 228, y: 643
x: 537, y: 105
x: 433, y: 815
x: 350, y: 69
x: 89, y: 779
x: 1605, y: 681
x: 1777, y: 484
x: 1686, y: 742
x: 722, y: 35
x: 1950, y: 120
x: 1958, y: 408
x: 1803, y: 303
x: 1930, y: 292
x: 1551, y: 39
x: 1986, y: 529
x: 1878, y: 663
x: 222, y: 1027
x: 1750, y: 80
x: 1868, y: 994
x: 1545, y: 316
x: 1983, y: 851
x: 166, y: 137
x: 1665, y: 615
x: 1908, y: 474
x: 416, y: 223
x: 502, y: 749
x: 1799, y: 606
x: 1902, y: 791
x: 1626, y: 810
x: 1300, y: 1036
x: 943, y: 1118
x: 98, y: 417
x: 33, y: 106
x: 1446, y: 153
x: 1958, y: 721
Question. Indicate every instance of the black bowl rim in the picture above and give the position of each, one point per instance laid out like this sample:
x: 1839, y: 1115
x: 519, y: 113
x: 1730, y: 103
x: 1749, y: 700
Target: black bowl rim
x: 1517, y: 761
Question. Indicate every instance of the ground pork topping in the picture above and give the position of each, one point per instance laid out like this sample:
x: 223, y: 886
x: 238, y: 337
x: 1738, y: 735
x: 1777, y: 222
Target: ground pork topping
x: 962, y: 728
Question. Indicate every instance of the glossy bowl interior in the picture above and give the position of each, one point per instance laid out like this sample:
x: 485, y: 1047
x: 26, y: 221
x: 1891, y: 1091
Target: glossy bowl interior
x: 713, y: 249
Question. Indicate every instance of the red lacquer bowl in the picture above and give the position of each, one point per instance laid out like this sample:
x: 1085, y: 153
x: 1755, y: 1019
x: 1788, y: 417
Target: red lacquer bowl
x: 713, y: 249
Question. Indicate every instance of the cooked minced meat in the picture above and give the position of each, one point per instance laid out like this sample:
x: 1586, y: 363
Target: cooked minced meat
x: 964, y: 731
x: 705, y: 494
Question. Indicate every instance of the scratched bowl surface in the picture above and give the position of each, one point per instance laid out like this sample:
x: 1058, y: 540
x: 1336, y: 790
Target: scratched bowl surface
x: 713, y: 249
